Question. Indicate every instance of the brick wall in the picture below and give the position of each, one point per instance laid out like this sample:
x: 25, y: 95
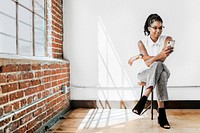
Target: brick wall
x: 31, y: 93
x: 31, y: 90
x: 57, y: 28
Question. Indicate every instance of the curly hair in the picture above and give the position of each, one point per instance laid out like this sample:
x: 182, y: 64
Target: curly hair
x: 151, y: 18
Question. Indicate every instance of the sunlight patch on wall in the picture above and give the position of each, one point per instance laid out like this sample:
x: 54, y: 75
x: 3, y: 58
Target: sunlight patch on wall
x: 110, y: 70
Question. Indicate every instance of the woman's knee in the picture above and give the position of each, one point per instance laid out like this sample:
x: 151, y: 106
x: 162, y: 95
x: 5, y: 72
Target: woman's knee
x: 157, y: 64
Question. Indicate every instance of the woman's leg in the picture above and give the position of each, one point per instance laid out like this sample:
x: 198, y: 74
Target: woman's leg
x: 161, y: 88
x: 161, y: 104
x: 162, y: 95
x: 151, y: 77
x: 148, y: 91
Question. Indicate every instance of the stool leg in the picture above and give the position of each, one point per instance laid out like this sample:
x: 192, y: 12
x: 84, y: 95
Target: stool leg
x: 141, y: 91
x: 152, y: 105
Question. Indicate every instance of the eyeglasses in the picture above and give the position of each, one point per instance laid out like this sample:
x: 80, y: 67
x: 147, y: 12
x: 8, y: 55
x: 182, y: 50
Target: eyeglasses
x: 155, y: 28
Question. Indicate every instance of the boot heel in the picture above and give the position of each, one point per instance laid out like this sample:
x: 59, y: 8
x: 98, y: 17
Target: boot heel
x: 140, y: 105
x: 162, y: 119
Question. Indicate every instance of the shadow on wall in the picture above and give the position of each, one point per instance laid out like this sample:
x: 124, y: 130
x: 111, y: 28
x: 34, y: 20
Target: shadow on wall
x: 110, y: 69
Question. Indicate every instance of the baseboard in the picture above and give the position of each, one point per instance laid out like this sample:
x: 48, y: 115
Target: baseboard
x: 187, y: 104
x: 175, y: 104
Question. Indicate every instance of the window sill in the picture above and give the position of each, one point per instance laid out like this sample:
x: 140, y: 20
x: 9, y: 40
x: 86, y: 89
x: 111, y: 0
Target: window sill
x: 30, y: 58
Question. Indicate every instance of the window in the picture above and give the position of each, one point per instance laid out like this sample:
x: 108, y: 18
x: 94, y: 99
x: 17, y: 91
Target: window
x: 23, y: 27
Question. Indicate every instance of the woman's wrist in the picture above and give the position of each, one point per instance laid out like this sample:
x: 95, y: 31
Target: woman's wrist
x: 140, y: 56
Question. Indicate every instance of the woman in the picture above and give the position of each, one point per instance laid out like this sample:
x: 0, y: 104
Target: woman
x: 154, y: 49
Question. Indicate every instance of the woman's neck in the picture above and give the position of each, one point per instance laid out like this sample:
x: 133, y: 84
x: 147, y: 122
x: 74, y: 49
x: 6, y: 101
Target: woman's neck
x: 154, y: 39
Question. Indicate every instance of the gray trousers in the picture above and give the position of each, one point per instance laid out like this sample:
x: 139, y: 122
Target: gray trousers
x: 156, y: 76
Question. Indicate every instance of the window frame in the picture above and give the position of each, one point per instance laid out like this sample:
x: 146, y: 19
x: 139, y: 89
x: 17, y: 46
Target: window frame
x: 33, y: 13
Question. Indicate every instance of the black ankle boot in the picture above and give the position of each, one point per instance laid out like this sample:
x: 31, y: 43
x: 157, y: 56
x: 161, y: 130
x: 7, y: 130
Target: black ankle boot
x: 140, y: 105
x: 162, y: 118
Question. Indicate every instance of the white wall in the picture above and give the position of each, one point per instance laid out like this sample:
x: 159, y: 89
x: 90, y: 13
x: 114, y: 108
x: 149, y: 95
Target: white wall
x: 101, y: 35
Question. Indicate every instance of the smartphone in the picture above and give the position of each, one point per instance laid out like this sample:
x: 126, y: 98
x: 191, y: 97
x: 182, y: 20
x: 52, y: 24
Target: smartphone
x: 171, y: 43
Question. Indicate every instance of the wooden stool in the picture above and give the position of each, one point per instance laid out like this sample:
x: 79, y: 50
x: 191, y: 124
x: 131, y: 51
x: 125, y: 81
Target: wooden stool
x: 143, y: 84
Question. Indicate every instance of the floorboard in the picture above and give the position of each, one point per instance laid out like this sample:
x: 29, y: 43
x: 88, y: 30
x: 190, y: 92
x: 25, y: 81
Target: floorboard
x: 124, y: 121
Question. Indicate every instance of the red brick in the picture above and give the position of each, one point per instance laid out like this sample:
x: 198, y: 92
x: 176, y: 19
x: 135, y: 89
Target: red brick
x: 20, y: 114
x: 56, y: 45
x: 36, y: 82
x: 32, y: 130
x: 46, y: 93
x: 4, y: 122
x: 64, y: 70
x: 58, y: 66
x: 9, y: 68
x: 25, y: 84
x: 49, y: 99
x: 9, y: 87
x: 12, y: 126
x: 41, y: 103
x: 54, y: 77
x: 47, y: 85
x: 41, y: 116
x: 47, y: 72
x: 24, y: 67
x: 56, y: 34
x: 39, y: 95
x: 38, y: 74
x: 37, y: 112
x: 16, y: 95
x: 54, y: 72
x: 23, y: 102
x: 30, y: 100
x: 46, y: 79
x: 45, y: 66
x: 57, y: 50
x: 26, y: 118
x: 7, y: 108
x: 52, y: 66
x: 50, y: 111
x: 3, y: 99
x: 16, y: 105
x: 36, y: 67
x: 62, y: 76
x: 60, y: 82
x: 26, y: 75
x: 55, y: 83
x: 58, y: 41
x: 2, y: 78
x: 63, y: 66
x: 21, y: 130
x: 12, y: 77
x: 47, y: 118
x: 1, y: 112
x: 31, y: 108
x: 40, y: 88
x: 31, y: 124
x: 58, y: 56
x: 30, y: 91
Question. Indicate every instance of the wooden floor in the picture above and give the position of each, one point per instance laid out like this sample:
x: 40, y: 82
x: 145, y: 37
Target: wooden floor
x: 124, y: 121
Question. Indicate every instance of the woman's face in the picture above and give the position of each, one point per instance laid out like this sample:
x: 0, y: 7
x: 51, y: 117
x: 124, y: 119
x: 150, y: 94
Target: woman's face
x: 155, y: 29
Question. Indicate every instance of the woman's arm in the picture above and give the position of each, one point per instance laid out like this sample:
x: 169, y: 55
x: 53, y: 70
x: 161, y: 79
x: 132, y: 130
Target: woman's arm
x: 161, y: 56
x: 134, y: 58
